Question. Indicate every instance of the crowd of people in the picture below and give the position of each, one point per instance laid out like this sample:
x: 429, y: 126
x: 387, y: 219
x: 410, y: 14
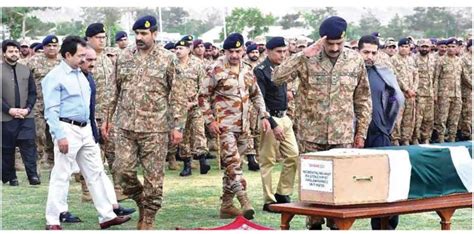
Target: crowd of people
x: 66, y: 104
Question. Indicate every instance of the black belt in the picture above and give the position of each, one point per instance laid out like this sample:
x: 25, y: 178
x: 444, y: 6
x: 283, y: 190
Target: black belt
x: 77, y: 123
x: 278, y: 113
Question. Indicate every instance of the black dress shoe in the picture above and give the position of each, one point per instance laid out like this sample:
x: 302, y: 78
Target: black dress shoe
x: 266, y: 207
x: 117, y: 221
x: 14, y: 182
x: 34, y: 180
x: 123, y: 211
x: 282, y: 198
x: 67, y: 217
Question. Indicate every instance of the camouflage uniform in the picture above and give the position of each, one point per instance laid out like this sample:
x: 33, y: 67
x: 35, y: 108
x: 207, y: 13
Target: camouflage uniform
x: 465, y: 123
x: 225, y: 97
x: 188, y: 80
x: 254, y: 139
x: 424, y: 98
x: 383, y: 59
x: 407, y: 77
x: 448, y: 91
x: 143, y: 93
x: 40, y: 65
x: 332, y: 98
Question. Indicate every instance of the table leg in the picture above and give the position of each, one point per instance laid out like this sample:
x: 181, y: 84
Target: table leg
x: 344, y: 224
x: 285, y: 221
x: 384, y: 223
x: 445, y: 215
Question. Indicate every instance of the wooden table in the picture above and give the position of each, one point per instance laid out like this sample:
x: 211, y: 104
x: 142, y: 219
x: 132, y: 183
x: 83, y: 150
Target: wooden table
x: 344, y: 216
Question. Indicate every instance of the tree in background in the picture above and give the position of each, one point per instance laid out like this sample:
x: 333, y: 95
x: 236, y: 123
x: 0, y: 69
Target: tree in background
x: 248, y: 17
x: 315, y: 17
x: 109, y: 16
x: 292, y: 21
x: 21, y: 23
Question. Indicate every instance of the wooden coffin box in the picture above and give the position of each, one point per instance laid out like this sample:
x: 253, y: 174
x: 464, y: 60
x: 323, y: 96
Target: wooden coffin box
x: 344, y: 177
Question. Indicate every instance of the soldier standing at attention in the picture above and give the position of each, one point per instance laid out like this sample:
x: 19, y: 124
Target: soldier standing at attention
x: 465, y: 123
x: 448, y: 100
x: 407, y: 76
x: 224, y: 100
x: 336, y: 110
x: 425, y: 62
x: 144, y: 91
x: 103, y: 71
x: 40, y: 64
x: 189, y: 74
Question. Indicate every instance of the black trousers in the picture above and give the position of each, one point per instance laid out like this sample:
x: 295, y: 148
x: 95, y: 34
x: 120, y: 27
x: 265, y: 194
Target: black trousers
x: 376, y: 138
x: 18, y: 133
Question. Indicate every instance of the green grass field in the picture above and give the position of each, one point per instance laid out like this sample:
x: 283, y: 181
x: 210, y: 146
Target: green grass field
x: 189, y: 202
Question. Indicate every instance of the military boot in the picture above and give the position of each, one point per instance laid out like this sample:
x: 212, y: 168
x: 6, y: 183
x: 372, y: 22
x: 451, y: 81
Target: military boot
x: 187, y: 167
x: 228, y: 210
x: 148, y: 219
x: 204, y: 166
x: 172, y: 164
x: 253, y: 164
x: 86, y: 195
x: 247, y: 208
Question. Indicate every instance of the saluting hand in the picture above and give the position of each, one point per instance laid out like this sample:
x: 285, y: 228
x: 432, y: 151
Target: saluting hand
x: 315, y: 48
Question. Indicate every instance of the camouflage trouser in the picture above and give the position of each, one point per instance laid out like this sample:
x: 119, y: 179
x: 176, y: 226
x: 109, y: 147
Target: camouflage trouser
x: 211, y: 142
x: 108, y: 149
x: 405, y: 122
x: 233, y: 144
x: 306, y: 146
x: 465, y: 122
x: 254, y: 139
x: 44, y: 141
x: 449, y: 111
x: 424, y: 118
x: 148, y: 149
x: 194, y: 136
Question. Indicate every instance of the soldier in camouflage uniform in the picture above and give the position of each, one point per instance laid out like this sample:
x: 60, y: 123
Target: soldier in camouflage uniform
x: 224, y: 100
x: 336, y: 109
x: 144, y: 93
x: 40, y: 64
x: 447, y: 88
x: 252, y: 58
x: 103, y: 71
x: 465, y: 123
x: 425, y: 62
x: 189, y: 74
x: 407, y: 76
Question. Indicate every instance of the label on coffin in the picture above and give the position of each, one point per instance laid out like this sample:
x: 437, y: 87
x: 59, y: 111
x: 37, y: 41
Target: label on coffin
x: 316, y: 175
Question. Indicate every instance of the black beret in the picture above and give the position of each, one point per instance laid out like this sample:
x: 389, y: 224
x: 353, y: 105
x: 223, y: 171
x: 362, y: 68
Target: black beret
x: 182, y: 43
x: 208, y: 45
x: 251, y: 47
x: 119, y: 35
x: 50, y: 39
x: 433, y: 40
x: 249, y: 43
x: 404, y: 41
x: 169, y: 46
x: 469, y: 43
x: 333, y: 27
x: 233, y: 41
x: 375, y: 34
x: 188, y: 38
x: 441, y: 42
x: 145, y: 22
x: 451, y: 41
x: 38, y: 47
x: 94, y: 29
x: 275, y: 42
x: 34, y: 44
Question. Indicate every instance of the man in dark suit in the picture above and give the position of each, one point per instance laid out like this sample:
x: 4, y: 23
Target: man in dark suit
x: 18, y: 125
x: 387, y: 101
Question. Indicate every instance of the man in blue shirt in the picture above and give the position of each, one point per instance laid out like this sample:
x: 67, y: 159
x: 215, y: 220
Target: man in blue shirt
x: 67, y: 95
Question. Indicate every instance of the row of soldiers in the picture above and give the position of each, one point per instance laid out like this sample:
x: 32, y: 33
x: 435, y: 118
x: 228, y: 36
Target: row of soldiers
x: 424, y: 77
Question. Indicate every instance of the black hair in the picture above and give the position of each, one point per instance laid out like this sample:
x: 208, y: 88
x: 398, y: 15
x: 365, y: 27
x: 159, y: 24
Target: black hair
x: 154, y: 28
x: 70, y: 45
x: 368, y: 39
x: 7, y: 43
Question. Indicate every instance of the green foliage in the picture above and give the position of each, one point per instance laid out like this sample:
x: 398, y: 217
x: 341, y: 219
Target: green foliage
x: 109, y: 16
x: 291, y: 20
x: 73, y: 27
x: 315, y: 17
x: 248, y: 17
